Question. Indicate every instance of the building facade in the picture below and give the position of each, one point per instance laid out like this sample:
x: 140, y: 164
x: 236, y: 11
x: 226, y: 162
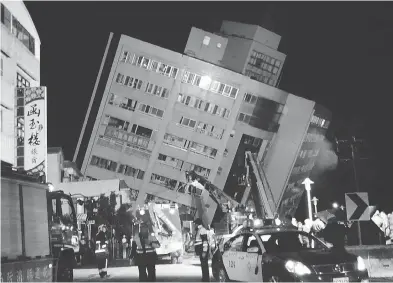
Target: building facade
x: 164, y: 113
x: 20, y: 67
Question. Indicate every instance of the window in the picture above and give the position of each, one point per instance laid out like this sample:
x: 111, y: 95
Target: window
x: 203, y: 149
x: 141, y: 131
x: 124, y: 56
x: 187, y: 122
x: 163, y: 181
x: 250, y: 98
x: 131, y: 171
x: 287, y: 242
x: 21, y: 81
x: 203, y: 105
x: 210, y: 130
x: 151, y: 110
x: 206, y: 40
x: 224, y: 89
x: 191, y: 78
x: 6, y: 17
x: 176, y: 141
x: 157, y: 90
x: 67, y: 214
x: 122, y: 102
x: 120, y: 78
x: 18, y: 30
x: 201, y: 170
x: 103, y: 163
x: 236, y: 244
x: 117, y: 123
x: 170, y: 161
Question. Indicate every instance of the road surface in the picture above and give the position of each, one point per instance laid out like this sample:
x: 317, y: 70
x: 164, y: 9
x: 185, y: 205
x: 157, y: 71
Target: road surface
x: 165, y: 273
x: 189, y: 271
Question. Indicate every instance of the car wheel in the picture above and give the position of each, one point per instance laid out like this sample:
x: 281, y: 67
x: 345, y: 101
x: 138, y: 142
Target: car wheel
x: 222, y: 275
x: 274, y: 279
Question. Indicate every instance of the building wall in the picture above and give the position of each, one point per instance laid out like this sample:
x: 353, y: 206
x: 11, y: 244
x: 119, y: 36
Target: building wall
x: 206, y: 46
x: 16, y: 58
x: 55, y: 167
x: 118, y: 144
x: 282, y: 154
x: 236, y: 54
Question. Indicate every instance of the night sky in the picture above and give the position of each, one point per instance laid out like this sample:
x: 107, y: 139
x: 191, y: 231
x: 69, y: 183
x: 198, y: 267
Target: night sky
x: 339, y: 54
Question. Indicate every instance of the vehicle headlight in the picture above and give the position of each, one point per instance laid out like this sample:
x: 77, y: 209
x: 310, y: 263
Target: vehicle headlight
x: 361, y: 264
x: 297, y: 267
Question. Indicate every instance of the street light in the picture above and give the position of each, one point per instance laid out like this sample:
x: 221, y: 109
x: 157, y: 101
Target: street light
x: 315, y: 202
x: 335, y: 205
x: 307, y: 183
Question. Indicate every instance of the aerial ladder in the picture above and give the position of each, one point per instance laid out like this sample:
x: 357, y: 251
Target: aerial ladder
x: 266, y: 209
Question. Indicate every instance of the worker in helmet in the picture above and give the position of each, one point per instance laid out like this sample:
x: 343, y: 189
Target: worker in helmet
x: 143, y: 252
x: 202, y: 248
x: 102, y: 251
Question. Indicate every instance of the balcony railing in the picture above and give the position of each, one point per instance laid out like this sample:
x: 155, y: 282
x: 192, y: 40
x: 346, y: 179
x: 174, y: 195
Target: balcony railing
x: 121, y: 146
x: 210, y: 134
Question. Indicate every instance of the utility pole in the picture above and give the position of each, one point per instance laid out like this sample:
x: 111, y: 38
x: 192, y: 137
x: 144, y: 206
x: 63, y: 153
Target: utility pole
x: 353, y: 142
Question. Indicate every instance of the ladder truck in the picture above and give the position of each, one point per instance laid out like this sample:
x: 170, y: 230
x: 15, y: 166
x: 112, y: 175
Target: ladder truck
x: 39, y: 237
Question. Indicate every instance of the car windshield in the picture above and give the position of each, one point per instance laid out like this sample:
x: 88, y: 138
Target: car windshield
x: 293, y: 241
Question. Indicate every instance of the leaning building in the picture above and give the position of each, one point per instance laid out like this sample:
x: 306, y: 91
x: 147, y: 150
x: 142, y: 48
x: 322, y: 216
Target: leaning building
x: 163, y: 113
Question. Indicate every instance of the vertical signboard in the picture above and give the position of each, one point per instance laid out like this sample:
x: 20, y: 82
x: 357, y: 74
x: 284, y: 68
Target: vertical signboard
x: 35, y: 130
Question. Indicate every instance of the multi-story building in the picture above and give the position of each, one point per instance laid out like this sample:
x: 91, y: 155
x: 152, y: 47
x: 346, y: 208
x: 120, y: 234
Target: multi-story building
x: 20, y: 67
x: 163, y: 113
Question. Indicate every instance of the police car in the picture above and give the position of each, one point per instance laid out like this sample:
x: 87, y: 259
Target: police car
x: 278, y: 254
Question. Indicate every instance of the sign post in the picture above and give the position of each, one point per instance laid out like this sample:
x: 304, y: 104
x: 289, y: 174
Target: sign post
x: 357, y: 206
x: 35, y: 130
x: 307, y: 183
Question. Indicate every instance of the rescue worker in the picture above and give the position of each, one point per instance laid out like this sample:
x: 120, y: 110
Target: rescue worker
x: 202, y: 248
x: 102, y: 250
x: 143, y: 253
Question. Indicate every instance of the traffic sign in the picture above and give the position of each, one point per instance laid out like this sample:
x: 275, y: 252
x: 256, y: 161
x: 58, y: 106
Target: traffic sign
x: 357, y: 206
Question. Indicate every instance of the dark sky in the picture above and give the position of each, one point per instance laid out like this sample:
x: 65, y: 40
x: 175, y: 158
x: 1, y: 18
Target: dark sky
x: 339, y: 54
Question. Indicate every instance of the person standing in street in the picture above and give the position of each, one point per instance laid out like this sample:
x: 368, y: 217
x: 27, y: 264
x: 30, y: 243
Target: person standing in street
x: 143, y: 252
x: 102, y: 250
x: 202, y: 248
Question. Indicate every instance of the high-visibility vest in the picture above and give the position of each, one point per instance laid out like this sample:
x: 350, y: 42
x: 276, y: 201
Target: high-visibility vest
x: 201, y: 240
x: 149, y: 248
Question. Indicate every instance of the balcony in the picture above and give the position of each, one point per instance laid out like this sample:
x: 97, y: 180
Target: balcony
x: 129, y: 138
x: 122, y: 146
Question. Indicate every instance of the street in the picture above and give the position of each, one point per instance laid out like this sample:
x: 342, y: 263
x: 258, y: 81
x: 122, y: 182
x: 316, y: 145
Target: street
x: 165, y: 273
x: 190, y: 271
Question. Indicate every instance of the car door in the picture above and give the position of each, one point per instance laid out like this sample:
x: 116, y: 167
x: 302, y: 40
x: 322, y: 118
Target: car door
x: 253, y: 262
x: 234, y: 258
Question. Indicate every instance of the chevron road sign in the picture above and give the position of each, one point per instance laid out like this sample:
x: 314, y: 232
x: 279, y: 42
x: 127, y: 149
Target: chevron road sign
x: 357, y: 207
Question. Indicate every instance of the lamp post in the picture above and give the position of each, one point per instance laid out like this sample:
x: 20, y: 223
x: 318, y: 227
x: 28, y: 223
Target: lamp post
x: 315, y: 202
x: 307, y: 183
x: 353, y: 142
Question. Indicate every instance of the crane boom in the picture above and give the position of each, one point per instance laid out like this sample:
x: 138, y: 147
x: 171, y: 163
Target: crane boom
x: 224, y: 201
